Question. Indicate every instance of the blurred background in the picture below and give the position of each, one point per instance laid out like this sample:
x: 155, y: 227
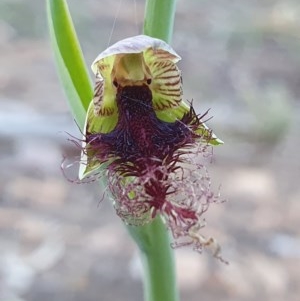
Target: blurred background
x: 58, y: 241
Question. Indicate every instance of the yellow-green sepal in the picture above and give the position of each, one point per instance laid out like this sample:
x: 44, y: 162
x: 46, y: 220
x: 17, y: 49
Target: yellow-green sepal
x: 208, y: 136
x: 89, y: 162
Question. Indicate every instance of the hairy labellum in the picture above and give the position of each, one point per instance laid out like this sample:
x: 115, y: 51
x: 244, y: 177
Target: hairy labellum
x: 150, y: 141
x: 139, y: 133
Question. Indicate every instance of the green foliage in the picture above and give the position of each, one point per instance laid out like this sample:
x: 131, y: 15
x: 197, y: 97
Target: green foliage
x: 69, y: 59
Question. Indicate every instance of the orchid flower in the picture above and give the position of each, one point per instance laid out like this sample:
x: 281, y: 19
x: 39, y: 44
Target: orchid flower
x: 150, y: 142
x: 141, y: 138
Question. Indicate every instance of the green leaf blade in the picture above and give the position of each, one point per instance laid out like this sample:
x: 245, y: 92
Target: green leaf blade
x: 70, y: 63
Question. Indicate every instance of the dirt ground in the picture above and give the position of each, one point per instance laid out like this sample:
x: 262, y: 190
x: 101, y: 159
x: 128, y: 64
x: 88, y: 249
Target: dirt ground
x: 239, y: 58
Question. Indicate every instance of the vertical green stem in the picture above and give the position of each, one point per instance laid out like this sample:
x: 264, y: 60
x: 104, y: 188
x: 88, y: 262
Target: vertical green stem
x: 159, y: 19
x: 158, y: 261
x: 153, y: 239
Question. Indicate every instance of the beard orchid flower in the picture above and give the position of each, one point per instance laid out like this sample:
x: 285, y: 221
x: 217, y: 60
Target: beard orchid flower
x: 148, y: 142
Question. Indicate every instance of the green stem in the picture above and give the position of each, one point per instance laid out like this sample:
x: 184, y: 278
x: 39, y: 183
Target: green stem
x: 157, y: 259
x: 153, y: 239
x: 159, y: 19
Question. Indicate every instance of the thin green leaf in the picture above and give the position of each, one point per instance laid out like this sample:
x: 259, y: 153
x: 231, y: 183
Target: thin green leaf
x: 69, y: 59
